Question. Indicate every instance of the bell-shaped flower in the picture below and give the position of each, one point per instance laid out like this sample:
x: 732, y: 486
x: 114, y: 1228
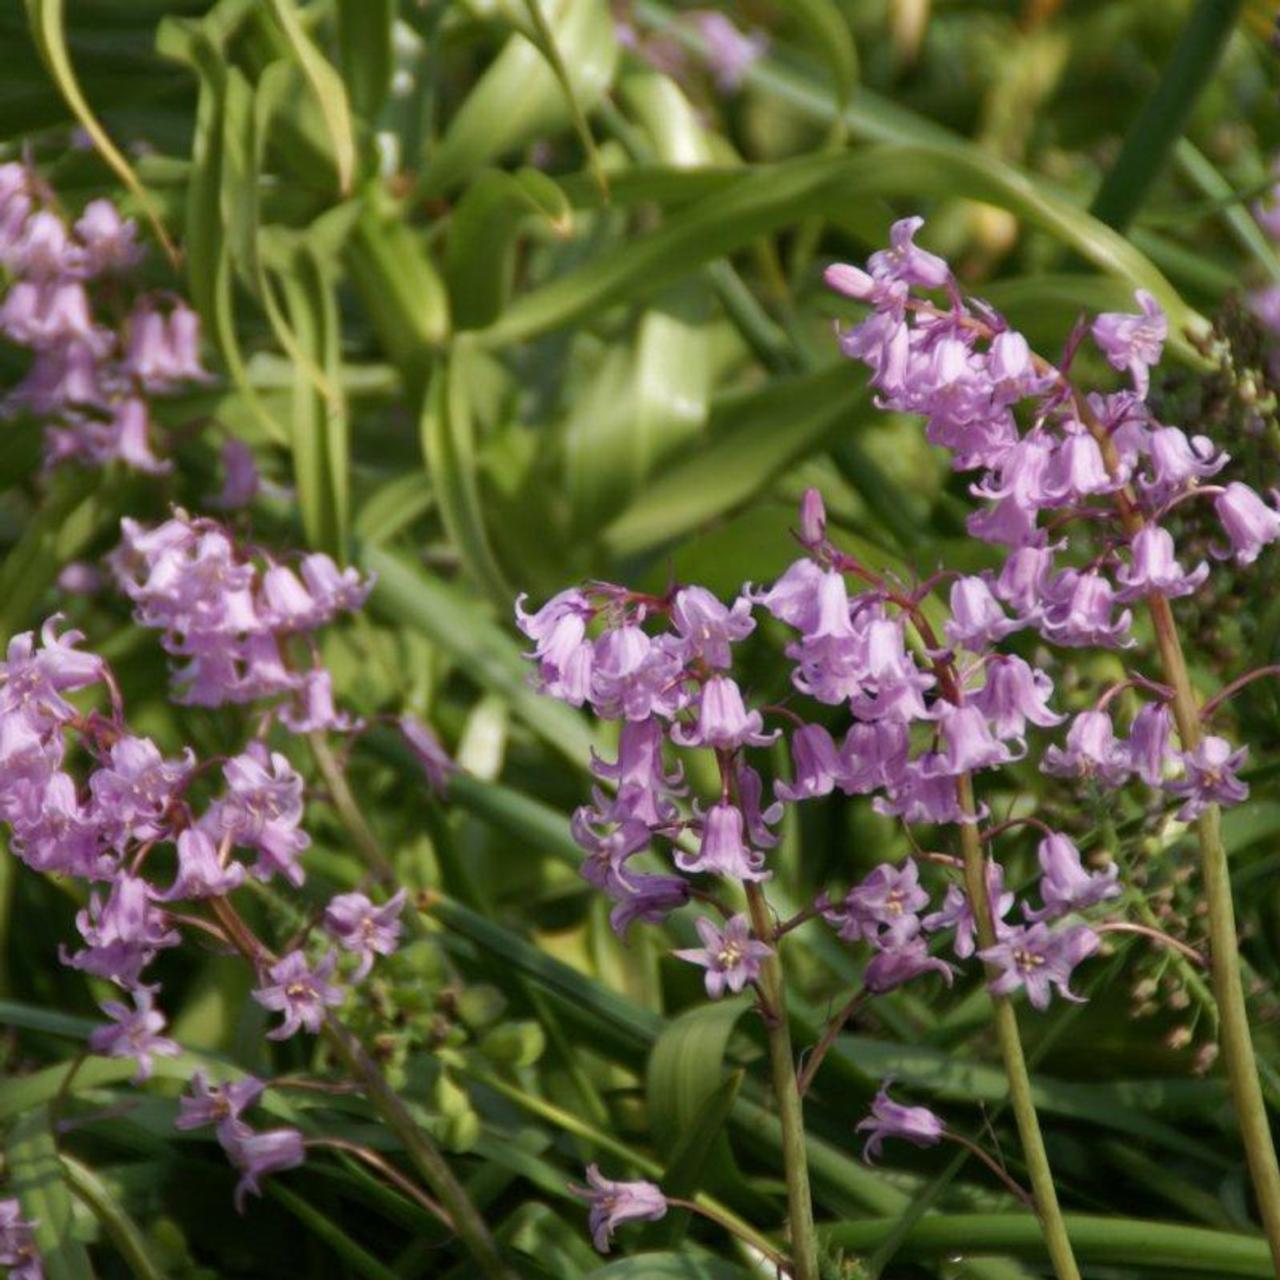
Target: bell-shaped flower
x: 815, y: 765
x: 1148, y: 743
x: 1092, y: 751
x: 707, y: 628
x: 723, y: 851
x: 613, y: 1203
x: 1065, y: 885
x: 1178, y: 462
x: 1014, y: 694
x: 724, y: 722
x: 977, y: 620
x: 889, y: 1119
x: 1079, y: 609
x: 1133, y: 342
x: 1250, y: 523
x: 901, y: 962
x: 1155, y: 569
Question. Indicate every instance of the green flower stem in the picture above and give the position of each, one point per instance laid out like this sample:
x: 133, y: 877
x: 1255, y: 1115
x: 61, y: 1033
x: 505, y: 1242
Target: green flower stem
x: 1238, y: 1058
x: 421, y: 1150
x: 804, y: 1243
x: 1158, y: 1248
x: 1015, y: 1064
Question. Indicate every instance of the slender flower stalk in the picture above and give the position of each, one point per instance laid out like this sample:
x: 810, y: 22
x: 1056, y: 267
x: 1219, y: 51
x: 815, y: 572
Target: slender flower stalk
x: 1238, y: 1057
x: 451, y: 1194
x: 804, y: 1241
x: 1015, y: 1064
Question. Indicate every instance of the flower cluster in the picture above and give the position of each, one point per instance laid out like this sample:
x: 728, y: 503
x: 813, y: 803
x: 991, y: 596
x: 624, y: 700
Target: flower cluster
x: 231, y: 614
x: 929, y: 710
x: 859, y: 649
x: 109, y: 823
x: 1100, y: 458
x: 96, y: 357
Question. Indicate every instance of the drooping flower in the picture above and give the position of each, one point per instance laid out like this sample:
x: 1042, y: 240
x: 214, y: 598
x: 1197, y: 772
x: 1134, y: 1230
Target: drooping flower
x: 900, y: 962
x: 731, y: 956
x: 1148, y: 743
x: 122, y: 934
x: 613, y: 1203
x: 1092, y: 751
x: 1249, y: 523
x: 1133, y: 342
x: 300, y: 992
x: 977, y: 620
x: 889, y: 1119
x: 134, y: 1033
x: 1065, y: 885
x: 723, y: 850
x: 255, y: 1155
x: 1039, y: 959
x: 201, y: 873
x: 1209, y: 777
x: 1155, y: 569
x: 706, y: 628
x: 262, y: 810
x: 723, y: 720
x: 816, y: 765
x: 1013, y: 695
x: 366, y: 930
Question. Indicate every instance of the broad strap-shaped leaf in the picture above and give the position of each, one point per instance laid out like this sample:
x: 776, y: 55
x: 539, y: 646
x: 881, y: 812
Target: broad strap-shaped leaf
x: 48, y: 27
x: 37, y: 1178
x: 770, y: 197
x: 518, y: 97
x: 448, y: 445
x: 327, y: 85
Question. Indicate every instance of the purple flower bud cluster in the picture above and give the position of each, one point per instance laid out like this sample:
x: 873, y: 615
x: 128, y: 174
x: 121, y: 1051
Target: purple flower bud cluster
x: 231, y: 614
x: 87, y: 798
x: 96, y: 359
x: 1098, y: 457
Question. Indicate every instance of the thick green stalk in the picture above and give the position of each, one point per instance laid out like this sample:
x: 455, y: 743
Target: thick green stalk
x: 1238, y: 1058
x: 804, y: 1243
x: 1015, y: 1064
x: 1157, y: 1248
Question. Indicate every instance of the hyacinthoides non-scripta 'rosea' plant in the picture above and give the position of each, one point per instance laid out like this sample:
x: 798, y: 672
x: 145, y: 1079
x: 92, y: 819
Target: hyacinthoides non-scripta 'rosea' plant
x: 164, y: 845
x: 1078, y: 489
